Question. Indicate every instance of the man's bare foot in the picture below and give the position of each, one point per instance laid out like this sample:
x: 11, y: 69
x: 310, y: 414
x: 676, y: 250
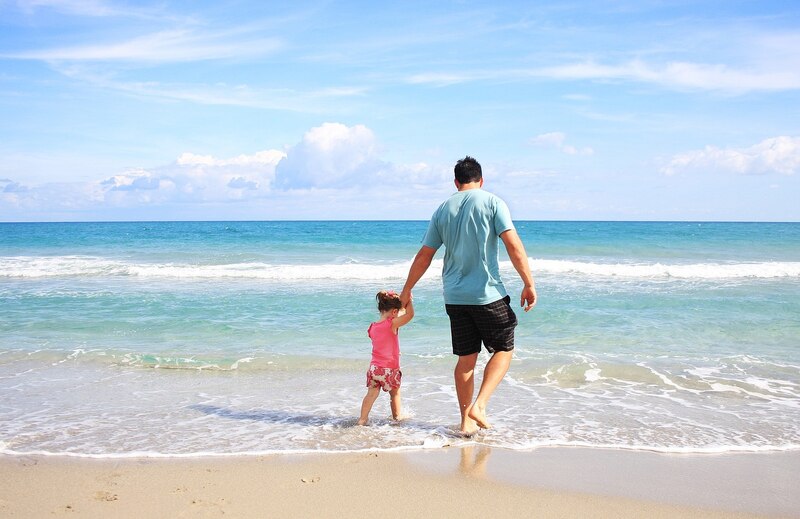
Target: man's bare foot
x: 361, y: 422
x: 468, y: 427
x: 479, y: 415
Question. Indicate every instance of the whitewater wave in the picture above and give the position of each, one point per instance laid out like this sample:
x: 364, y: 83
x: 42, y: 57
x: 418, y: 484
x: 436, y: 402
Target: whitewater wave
x: 89, y: 266
x: 769, y: 269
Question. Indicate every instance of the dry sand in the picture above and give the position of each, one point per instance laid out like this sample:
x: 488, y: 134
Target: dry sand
x: 467, y: 482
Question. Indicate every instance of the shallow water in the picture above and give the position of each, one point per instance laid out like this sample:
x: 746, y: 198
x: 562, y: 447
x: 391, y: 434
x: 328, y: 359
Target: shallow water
x: 119, y: 339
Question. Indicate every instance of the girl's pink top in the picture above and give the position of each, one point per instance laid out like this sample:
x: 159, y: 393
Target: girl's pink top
x: 385, y: 345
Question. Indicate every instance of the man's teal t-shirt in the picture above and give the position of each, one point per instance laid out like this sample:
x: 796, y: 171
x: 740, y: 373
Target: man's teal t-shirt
x: 469, y: 224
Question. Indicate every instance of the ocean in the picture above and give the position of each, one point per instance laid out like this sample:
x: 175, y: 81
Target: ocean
x: 245, y: 338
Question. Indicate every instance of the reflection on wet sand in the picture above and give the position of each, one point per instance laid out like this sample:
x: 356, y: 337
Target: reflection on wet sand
x: 473, y: 460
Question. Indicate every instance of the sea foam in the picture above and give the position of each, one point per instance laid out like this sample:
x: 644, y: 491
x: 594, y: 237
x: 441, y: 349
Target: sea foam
x: 89, y: 266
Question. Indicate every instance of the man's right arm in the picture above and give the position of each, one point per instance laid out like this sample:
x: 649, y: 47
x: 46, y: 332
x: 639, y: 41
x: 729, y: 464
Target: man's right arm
x: 418, y: 268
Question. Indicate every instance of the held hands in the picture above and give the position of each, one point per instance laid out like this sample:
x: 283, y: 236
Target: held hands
x: 528, y: 298
x: 405, y: 298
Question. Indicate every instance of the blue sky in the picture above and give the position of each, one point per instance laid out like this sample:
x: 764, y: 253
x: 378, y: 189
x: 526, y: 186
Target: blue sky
x: 229, y: 110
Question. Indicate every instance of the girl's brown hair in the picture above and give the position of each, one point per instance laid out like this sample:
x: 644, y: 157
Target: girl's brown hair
x: 388, y: 300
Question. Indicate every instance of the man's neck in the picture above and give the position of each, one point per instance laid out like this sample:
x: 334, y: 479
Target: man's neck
x: 469, y: 185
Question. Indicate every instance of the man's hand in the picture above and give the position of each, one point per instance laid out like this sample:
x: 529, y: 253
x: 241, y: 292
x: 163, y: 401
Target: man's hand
x: 528, y: 298
x: 405, y: 298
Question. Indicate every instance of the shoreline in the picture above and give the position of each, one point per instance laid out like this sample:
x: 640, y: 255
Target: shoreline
x: 408, y: 450
x: 470, y: 480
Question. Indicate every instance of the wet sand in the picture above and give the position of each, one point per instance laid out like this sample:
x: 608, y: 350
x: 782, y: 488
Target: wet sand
x: 472, y: 481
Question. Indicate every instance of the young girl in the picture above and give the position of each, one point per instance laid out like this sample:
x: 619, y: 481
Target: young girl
x: 384, y: 369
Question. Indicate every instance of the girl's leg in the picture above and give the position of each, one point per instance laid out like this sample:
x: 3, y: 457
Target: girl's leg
x: 366, y: 405
x: 397, y: 407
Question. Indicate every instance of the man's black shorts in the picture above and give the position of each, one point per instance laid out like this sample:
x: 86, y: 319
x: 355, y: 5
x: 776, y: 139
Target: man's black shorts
x: 492, y: 324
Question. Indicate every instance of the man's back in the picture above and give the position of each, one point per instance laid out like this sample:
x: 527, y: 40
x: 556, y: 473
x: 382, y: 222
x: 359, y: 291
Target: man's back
x: 468, y: 224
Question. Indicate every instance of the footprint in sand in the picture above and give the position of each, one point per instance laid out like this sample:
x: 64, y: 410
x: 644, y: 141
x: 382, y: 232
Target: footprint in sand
x: 102, y: 495
x: 205, y: 508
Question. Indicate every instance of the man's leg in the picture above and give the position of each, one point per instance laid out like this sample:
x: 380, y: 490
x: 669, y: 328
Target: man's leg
x: 495, y: 370
x: 464, y: 375
x: 496, y: 322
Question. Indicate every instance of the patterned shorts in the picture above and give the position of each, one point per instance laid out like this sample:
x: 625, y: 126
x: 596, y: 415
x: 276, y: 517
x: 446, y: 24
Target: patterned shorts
x: 492, y: 324
x: 384, y: 378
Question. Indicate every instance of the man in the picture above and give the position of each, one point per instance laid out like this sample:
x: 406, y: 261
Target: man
x: 469, y: 224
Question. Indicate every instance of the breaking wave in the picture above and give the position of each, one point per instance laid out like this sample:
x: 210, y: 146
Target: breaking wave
x: 89, y: 266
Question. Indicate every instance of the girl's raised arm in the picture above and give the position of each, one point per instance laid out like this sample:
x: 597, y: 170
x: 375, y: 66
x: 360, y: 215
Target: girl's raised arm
x: 405, y: 318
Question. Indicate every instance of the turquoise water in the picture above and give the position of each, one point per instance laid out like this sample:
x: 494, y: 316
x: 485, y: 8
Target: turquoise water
x: 192, y: 338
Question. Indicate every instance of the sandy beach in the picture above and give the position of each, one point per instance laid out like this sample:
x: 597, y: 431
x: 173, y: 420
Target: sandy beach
x: 472, y: 481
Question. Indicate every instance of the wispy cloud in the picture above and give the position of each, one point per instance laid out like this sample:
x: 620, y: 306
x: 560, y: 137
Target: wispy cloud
x: 222, y: 94
x: 101, y: 65
x: 103, y: 11
x: 441, y: 78
x: 775, y: 155
x: 169, y: 46
x: 684, y: 76
x: 93, y: 8
x: 557, y: 140
x: 680, y: 76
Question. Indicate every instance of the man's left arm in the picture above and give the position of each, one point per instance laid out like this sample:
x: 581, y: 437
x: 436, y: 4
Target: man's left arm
x: 519, y: 258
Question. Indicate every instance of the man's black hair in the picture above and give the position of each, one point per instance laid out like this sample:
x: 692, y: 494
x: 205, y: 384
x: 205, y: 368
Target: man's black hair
x: 468, y: 170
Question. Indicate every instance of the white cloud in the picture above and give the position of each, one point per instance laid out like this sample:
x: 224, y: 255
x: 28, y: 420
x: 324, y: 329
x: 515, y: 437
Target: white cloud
x: 557, y: 140
x: 134, y: 180
x: 261, y: 158
x: 332, y: 162
x: 775, y: 155
x: 330, y: 155
x: 194, y: 178
x: 9, y: 186
x: 209, y: 178
x: 243, y: 183
x: 552, y: 139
